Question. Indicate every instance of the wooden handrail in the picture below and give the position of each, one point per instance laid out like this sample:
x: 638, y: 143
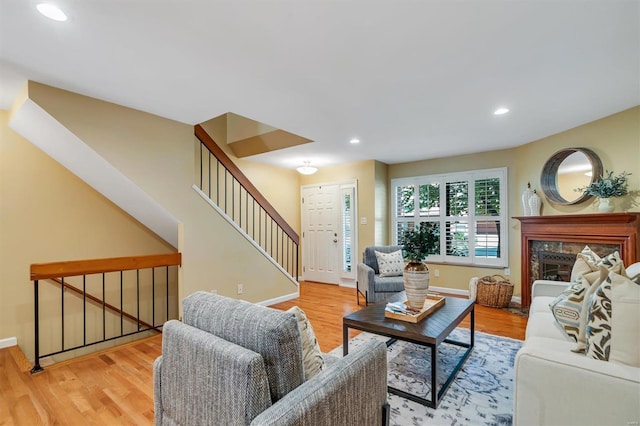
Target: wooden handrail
x: 98, y: 301
x: 204, y: 137
x: 40, y: 271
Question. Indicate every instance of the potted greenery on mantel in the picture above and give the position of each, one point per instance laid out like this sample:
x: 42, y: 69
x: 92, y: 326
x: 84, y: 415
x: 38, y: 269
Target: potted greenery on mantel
x: 417, y: 244
x: 606, y: 187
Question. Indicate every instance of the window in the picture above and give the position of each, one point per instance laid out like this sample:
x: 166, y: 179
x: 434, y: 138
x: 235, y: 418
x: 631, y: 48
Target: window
x: 468, y: 210
x: 349, y: 229
x: 347, y: 226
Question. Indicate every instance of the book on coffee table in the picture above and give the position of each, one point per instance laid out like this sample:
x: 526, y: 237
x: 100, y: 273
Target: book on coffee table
x: 404, y: 312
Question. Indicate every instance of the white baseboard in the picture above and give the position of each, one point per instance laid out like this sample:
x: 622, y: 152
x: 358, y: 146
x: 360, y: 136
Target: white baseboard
x: 297, y: 294
x: 449, y: 290
x: 463, y: 292
x: 280, y: 299
x: 8, y: 342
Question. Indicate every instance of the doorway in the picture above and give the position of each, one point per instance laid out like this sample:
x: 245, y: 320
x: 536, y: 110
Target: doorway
x: 329, y: 232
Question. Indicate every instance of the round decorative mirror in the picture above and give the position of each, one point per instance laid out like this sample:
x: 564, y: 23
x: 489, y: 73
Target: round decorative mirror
x: 567, y: 170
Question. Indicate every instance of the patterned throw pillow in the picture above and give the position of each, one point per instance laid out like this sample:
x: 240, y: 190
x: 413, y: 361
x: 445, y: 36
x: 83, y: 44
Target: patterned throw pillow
x: 613, y: 332
x: 599, y: 325
x: 569, y: 308
x: 312, y: 360
x: 586, y: 262
x: 390, y: 264
x: 612, y: 262
x: 595, y: 279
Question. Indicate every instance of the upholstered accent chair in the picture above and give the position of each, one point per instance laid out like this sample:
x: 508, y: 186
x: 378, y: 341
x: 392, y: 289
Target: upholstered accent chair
x: 235, y: 363
x: 369, y: 282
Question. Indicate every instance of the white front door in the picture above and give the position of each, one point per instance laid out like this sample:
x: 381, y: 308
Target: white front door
x: 321, y: 240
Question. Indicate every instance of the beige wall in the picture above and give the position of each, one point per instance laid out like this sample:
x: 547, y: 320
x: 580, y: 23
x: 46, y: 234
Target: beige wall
x: 47, y: 214
x: 381, y: 200
x: 616, y: 140
x: 158, y: 155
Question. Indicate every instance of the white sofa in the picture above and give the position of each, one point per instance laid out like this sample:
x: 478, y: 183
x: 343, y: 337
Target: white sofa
x: 555, y: 386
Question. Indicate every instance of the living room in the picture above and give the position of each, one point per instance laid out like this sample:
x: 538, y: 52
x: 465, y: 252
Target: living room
x: 63, y: 218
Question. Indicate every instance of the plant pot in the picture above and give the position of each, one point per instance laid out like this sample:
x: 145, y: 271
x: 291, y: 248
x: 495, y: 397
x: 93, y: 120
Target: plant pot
x: 606, y: 205
x: 416, y: 283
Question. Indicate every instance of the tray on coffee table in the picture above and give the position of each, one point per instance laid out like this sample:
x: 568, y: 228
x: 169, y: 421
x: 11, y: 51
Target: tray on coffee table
x: 431, y: 304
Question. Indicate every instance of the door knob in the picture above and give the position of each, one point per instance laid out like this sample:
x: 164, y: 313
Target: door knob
x: 335, y: 240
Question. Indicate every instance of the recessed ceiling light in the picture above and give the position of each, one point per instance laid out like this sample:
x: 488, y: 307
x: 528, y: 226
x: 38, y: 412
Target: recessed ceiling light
x: 501, y: 111
x: 52, y: 12
x: 354, y: 140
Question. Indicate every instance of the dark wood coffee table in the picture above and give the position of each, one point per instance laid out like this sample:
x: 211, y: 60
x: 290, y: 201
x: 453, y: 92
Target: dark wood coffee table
x: 430, y: 332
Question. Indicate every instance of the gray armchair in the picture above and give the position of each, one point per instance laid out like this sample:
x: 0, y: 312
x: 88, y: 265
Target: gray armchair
x: 235, y: 363
x: 369, y: 282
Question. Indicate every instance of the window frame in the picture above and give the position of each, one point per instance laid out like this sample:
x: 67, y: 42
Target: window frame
x: 472, y: 219
x: 350, y: 191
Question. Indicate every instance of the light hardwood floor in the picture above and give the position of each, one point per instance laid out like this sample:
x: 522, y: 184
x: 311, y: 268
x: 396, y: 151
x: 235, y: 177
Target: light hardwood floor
x: 116, y: 386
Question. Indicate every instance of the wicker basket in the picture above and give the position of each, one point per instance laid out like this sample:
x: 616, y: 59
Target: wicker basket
x: 494, y: 291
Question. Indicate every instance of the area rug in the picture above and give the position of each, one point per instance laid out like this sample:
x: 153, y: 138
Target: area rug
x: 481, y: 394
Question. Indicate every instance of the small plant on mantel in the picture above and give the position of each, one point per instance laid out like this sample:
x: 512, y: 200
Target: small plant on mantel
x: 608, y: 186
x: 420, y: 242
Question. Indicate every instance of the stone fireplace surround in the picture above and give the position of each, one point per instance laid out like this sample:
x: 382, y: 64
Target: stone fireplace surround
x: 603, y: 232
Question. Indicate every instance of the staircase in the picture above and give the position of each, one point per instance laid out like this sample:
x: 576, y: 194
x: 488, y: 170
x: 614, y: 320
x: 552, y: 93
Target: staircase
x: 106, y: 155
x: 143, y: 163
x: 223, y: 185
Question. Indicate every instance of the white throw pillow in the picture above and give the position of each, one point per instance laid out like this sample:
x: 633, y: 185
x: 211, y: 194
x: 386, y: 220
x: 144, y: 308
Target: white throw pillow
x: 613, y: 331
x: 633, y: 269
x: 390, y: 264
x: 312, y: 360
x: 473, y: 288
x: 625, y: 319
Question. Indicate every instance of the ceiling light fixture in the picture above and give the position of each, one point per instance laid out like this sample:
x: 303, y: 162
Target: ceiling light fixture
x: 354, y: 140
x: 501, y: 111
x: 52, y: 11
x: 306, y: 169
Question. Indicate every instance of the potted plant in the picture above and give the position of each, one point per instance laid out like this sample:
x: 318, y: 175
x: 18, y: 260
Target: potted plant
x: 417, y: 244
x: 608, y: 186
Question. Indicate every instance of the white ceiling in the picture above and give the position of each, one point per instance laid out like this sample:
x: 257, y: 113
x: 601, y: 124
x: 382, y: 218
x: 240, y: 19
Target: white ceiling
x: 412, y: 79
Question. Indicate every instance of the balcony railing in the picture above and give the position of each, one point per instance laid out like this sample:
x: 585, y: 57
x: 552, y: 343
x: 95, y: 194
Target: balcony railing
x: 98, y: 300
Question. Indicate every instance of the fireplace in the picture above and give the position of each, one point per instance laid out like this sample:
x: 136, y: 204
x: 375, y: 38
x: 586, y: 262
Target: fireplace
x: 554, y: 266
x: 557, y: 239
x: 553, y: 260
